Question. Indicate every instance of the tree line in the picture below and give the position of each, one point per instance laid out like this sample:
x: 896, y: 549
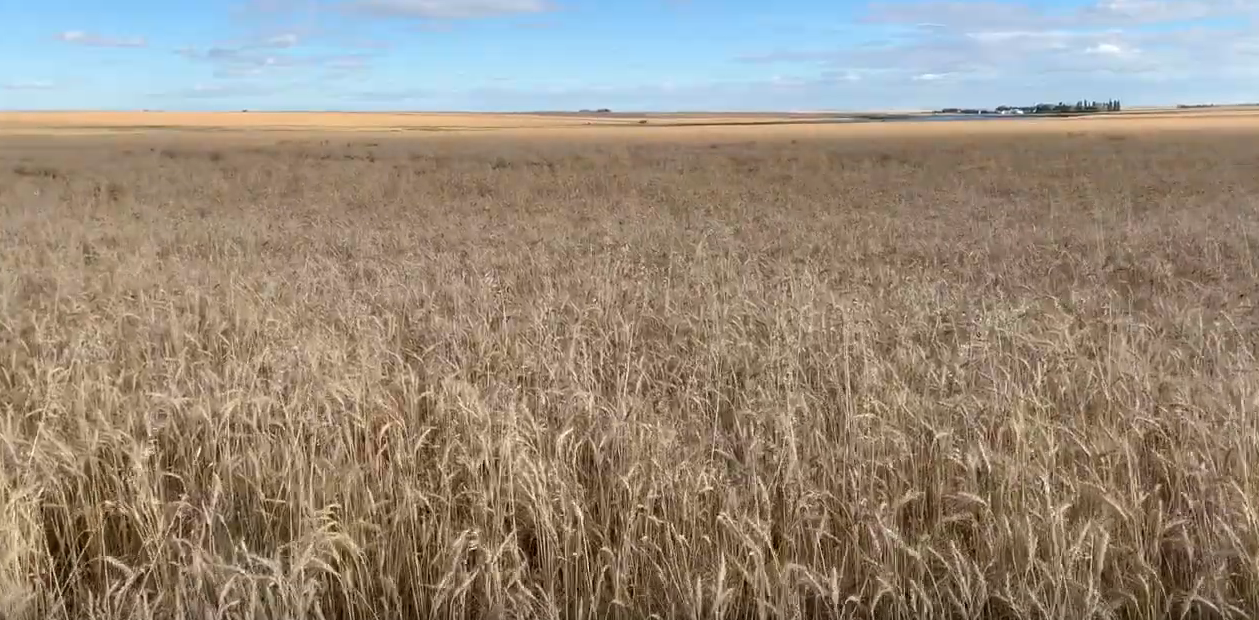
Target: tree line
x: 1082, y: 106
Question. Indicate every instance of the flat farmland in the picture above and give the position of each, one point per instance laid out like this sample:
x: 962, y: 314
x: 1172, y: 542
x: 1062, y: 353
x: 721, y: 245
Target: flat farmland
x: 304, y: 367
x: 679, y: 126
x: 43, y: 122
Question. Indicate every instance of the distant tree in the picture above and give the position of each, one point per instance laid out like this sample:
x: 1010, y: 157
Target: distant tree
x: 1080, y: 106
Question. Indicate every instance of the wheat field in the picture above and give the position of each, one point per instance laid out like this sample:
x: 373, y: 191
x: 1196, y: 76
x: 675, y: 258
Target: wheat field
x: 680, y: 127
x: 817, y: 375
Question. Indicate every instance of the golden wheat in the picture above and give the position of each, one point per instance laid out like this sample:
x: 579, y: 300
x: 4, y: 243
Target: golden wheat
x: 990, y: 377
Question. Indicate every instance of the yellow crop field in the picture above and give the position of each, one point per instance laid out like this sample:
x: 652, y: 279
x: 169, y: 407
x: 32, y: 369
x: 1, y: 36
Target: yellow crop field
x: 516, y: 366
x: 679, y: 126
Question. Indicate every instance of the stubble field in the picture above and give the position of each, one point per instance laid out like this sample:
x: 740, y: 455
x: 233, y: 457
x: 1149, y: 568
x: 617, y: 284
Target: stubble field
x: 770, y: 374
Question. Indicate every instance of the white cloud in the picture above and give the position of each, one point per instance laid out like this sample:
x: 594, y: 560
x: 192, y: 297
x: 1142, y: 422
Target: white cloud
x: 1108, y: 49
x: 841, y: 76
x: 79, y: 37
x: 449, y: 9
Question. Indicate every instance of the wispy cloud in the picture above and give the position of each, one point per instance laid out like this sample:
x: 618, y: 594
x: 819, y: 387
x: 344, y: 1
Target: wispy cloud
x: 782, y: 56
x: 1136, y: 12
x: 79, y: 37
x: 988, y: 14
x: 282, y: 41
x: 448, y: 9
x: 28, y: 85
x: 252, y: 61
x: 389, y: 96
x: 224, y: 90
x: 434, y: 26
x: 1002, y: 46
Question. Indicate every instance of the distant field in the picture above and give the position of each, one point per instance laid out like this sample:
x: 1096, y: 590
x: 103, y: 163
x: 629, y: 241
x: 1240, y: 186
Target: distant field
x: 881, y: 371
x: 677, y: 125
x: 342, y: 120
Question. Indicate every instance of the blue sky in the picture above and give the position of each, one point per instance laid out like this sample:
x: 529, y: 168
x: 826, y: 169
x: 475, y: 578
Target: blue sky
x: 623, y: 54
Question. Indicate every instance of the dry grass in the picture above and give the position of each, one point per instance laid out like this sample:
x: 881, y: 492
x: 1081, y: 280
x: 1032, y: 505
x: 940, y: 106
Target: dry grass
x: 987, y: 377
